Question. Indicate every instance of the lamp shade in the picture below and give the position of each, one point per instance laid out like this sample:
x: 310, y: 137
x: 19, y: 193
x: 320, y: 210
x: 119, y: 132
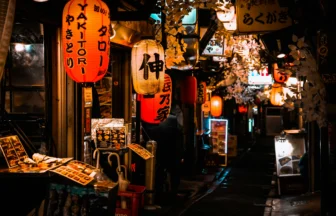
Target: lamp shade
x: 86, y: 39
x: 201, y: 93
x: 242, y: 108
x: 189, y: 90
x: 147, y: 67
x: 276, y: 95
x: 155, y: 109
x: 279, y: 76
x: 216, y: 106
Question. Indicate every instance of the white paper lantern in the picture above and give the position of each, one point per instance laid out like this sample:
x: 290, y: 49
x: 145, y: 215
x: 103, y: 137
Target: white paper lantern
x: 232, y: 24
x: 225, y: 14
x: 147, y: 67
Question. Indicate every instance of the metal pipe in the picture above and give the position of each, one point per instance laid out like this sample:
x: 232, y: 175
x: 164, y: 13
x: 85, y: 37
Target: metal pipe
x: 118, y: 160
x: 96, y: 155
x: 325, y: 172
x: 150, y: 174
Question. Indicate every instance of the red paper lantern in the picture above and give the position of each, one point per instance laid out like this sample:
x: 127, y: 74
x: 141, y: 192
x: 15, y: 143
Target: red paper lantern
x: 188, y: 90
x: 242, y: 109
x: 86, y: 28
x: 156, y: 108
x: 201, y: 93
x: 216, y: 106
x: 278, y: 76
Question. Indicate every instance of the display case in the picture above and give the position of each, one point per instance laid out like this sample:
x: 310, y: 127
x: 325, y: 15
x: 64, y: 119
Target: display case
x: 219, y: 138
x: 289, y: 149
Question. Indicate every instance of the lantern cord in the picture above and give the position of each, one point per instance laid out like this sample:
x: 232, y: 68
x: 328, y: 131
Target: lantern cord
x: 143, y: 129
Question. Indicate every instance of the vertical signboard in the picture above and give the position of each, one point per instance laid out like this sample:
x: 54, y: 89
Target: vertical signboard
x: 328, y: 76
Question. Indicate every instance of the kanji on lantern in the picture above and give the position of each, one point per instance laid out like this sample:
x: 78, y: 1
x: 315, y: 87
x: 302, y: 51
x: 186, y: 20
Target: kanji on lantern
x: 147, y: 67
x: 86, y: 28
x: 155, y: 109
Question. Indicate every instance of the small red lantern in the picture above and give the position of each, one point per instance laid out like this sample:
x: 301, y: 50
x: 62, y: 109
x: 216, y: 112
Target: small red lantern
x: 188, y: 90
x: 86, y: 28
x: 201, y: 93
x: 242, y: 109
x: 156, y: 108
x: 216, y: 106
x: 278, y: 76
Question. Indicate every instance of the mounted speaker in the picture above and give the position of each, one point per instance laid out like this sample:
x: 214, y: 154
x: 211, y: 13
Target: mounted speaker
x: 7, y: 13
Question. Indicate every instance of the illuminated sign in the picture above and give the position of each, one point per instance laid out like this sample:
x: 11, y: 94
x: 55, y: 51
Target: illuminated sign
x: 263, y: 78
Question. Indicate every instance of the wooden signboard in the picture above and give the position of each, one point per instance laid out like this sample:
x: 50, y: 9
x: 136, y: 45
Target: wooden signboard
x: 261, y: 16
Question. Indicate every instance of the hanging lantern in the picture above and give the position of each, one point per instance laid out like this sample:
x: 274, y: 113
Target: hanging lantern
x: 242, y: 108
x: 216, y: 106
x: 156, y: 108
x: 279, y: 76
x: 86, y: 39
x: 147, y: 67
x: 201, y: 93
x: 232, y: 24
x: 188, y: 90
x: 276, y: 95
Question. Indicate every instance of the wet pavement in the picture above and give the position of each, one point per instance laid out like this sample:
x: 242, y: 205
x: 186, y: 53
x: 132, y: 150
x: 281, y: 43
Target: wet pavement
x: 246, y: 187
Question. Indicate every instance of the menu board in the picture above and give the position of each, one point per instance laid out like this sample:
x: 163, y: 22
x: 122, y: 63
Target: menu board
x: 141, y: 151
x: 219, y: 135
x: 97, y: 123
x: 12, y: 150
x: 114, y: 137
x: 77, y: 171
x: 289, y: 151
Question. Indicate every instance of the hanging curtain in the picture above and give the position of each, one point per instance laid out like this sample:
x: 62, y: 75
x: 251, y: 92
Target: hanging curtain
x: 7, y: 13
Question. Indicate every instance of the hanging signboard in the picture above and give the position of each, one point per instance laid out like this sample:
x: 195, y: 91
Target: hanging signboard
x: 261, y: 16
x: 262, y: 78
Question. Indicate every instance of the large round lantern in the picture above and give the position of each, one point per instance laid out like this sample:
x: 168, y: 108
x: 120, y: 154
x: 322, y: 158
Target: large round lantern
x: 86, y: 30
x: 189, y: 90
x: 278, y: 76
x: 156, y: 108
x: 216, y: 106
x: 242, y: 108
x: 201, y: 93
x: 147, y: 67
x: 276, y: 95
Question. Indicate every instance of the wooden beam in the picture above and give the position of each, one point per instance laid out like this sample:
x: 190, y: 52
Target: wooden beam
x: 141, y: 14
